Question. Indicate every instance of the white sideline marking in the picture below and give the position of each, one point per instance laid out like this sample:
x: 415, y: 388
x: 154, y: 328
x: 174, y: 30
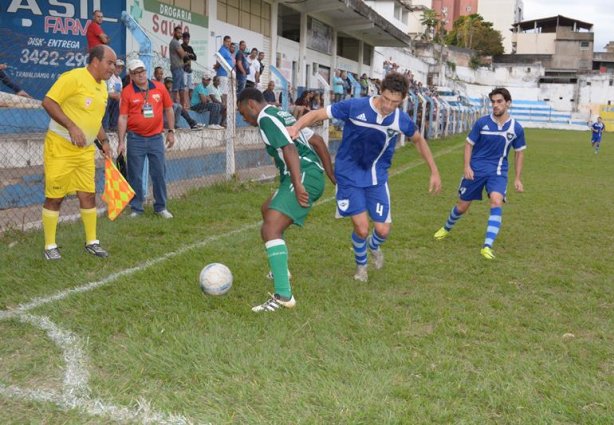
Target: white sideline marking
x: 76, y: 391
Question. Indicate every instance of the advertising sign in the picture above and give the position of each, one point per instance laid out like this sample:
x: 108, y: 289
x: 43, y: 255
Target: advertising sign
x: 41, y: 39
x: 159, y: 19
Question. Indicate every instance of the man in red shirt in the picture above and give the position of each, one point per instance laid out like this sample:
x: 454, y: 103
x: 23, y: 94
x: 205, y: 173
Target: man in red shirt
x: 95, y: 35
x: 142, y: 104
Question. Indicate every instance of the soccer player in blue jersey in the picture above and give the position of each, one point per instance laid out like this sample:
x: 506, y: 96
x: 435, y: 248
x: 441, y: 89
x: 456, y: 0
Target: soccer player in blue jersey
x: 486, y: 166
x: 372, y: 126
x: 597, y: 129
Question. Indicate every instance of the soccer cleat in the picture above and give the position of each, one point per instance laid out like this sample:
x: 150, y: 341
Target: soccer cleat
x: 96, y: 250
x: 378, y: 255
x: 274, y: 303
x: 441, y: 234
x: 361, y: 273
x: 165, y: 214
x: 53, y: 254
x: 270, y: 275
x: 488, y: 253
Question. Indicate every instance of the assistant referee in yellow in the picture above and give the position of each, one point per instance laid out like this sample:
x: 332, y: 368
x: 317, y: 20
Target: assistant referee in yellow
x: 76, y: 104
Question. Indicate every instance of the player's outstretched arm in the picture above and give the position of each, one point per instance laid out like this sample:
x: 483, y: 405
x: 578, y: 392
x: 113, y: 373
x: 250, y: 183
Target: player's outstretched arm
x: 294, y: 166
x: 307, y: 120
x: 518, y: 164
x: 425, y: 152
x: 320, y: 147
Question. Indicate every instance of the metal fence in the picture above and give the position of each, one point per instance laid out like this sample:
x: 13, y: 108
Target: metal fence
x: 199, y: 158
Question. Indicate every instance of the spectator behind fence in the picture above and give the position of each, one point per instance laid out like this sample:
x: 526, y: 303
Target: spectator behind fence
x: 338, y: 88
x: 187, y: 63
x: 216, y: 97
x: 178, y: 109
x: 253, y: 76
x: 302, y: 105
x: 177, y: 54
x: 76, y: 105
x: 364, y: 85
x: 220, y: 72
x: 142, y: 104
x: 10, y: 84
x: 95, y: 35
x: 114, y: 89
x: 242, y: 66
x: 201, y: 101
x: 269, y: 94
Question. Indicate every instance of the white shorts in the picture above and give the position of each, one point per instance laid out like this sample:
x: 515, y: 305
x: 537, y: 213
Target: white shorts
x: 188, y: 80
x: 223, y: 87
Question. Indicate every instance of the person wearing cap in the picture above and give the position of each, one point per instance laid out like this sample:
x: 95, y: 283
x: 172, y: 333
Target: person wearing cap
x: 178, y: 109
x: 202, y: 102
x: 187, y: 63
x: 76, y: 105
x: 114, y: 89
x: 177, y: 54
x: 142, y: 104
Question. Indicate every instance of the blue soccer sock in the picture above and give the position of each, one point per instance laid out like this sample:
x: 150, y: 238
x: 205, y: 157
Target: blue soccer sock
x: 375, y: 241
x: 455, y: 214
x: 494, y: 224
x: 360, y: 249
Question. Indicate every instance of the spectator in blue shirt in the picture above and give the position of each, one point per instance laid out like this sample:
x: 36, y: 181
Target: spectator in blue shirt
x: 201, y: 102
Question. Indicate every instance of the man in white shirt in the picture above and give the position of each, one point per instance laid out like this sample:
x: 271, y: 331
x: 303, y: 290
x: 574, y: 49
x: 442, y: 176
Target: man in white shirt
x: 253, y: 76
x: 114, y: 89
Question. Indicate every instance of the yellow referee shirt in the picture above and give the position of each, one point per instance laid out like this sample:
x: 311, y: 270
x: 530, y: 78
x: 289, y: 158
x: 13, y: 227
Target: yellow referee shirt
x: 82, y: 99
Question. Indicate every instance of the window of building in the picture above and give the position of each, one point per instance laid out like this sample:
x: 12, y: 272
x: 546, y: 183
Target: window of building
x: 253, y: 15
x: 367, y: 54
x: 397, y: 11
x: 347, y: 47
x: 584, y: 45
x: 289, y: 23
x: 319, y: 36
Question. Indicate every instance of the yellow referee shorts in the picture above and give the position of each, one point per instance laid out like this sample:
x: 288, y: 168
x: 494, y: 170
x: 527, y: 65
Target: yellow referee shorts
x: 68, y: 168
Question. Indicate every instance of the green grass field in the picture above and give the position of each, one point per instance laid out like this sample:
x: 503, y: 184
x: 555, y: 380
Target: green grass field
x: 439, y: 336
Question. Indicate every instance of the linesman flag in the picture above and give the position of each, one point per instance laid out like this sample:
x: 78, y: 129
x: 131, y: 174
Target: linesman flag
x: 117, y: 192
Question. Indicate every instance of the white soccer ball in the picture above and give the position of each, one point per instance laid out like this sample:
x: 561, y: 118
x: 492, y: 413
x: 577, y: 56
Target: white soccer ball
x: 215, y: 279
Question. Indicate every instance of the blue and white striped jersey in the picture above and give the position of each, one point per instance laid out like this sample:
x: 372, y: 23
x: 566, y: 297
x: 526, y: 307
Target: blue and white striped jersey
x: 491, y: 145
x: 368, y: 141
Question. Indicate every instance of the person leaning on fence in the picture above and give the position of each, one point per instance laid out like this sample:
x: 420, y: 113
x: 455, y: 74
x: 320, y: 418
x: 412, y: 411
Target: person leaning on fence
x: 201, y: 102
x: 178, y: 109
x: 95, y: 35
x: 76, y: 105
x: 142, y: 104
x: 10, y: 84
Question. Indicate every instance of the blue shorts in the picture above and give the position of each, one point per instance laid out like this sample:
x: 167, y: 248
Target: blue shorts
x: 373, y: 199
x: 596, y: 139
x: 178, y: 81
x: 471, y: 190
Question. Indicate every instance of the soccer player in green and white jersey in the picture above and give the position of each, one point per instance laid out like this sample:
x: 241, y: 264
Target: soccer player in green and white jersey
x: 301, y: 163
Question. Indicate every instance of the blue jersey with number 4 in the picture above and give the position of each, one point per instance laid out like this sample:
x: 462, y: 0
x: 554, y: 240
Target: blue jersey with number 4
x: 368, y: 142
x: 492, y: 143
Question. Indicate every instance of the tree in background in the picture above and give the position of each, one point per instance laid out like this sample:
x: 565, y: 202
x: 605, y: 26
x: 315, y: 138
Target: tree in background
x: 473, y: 32
x: 433, y: 26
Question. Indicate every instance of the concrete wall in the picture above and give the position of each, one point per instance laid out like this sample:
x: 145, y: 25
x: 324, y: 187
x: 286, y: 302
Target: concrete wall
x: 535, y: 43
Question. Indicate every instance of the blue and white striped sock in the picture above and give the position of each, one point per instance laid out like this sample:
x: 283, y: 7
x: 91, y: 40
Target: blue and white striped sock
x: 494, y: 224
x: 360, y: 249
x: 375, y: 241
x: 452, y: 219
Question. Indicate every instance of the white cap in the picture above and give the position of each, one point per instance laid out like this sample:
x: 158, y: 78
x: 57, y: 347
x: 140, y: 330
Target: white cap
x: 135, y: 64
x: 119, y: 62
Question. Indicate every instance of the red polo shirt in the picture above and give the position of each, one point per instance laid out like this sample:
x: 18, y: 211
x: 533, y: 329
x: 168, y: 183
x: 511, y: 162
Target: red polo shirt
x: 132, y: 102
x: 93, y: 32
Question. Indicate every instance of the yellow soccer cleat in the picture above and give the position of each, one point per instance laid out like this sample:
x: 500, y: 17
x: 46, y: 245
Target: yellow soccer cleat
x: 488, y: 253
x: 441, y: 234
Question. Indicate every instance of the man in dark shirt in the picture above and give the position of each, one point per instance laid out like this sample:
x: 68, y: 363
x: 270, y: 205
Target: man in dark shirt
x: 269, y: 94
x: 187, y: 62
x: 10, y: 84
